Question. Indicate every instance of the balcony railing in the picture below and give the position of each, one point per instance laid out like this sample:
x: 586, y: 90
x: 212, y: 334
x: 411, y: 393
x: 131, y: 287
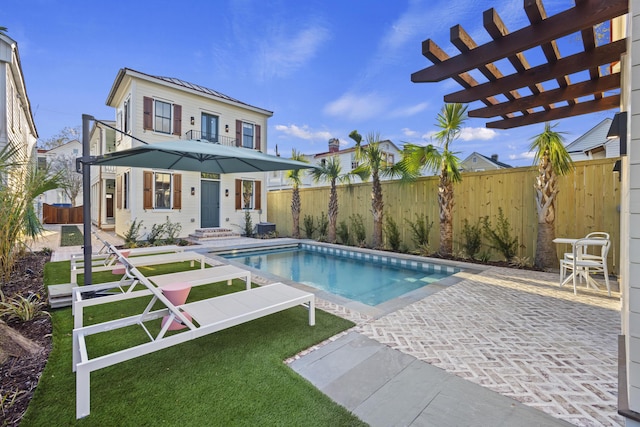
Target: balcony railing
x: 211, y: 137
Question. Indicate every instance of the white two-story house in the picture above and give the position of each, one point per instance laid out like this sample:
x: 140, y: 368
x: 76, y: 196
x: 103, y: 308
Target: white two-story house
x: 102, y: 140
x: 154, y: 109
x: 16, y: 121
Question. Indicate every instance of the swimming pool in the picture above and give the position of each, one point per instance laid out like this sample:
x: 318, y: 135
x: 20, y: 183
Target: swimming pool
x: 368, y: 278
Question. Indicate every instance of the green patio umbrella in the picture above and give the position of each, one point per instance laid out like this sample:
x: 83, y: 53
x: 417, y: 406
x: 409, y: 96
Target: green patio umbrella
x: 191, y: 155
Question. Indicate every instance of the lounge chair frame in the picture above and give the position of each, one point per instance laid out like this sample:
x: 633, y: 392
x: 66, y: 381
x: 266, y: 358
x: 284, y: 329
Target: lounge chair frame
x: 210, y: 315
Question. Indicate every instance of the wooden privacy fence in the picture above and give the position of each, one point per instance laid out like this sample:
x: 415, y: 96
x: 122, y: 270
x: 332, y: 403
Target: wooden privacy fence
x: 57, y: 215
x: 588, y: 200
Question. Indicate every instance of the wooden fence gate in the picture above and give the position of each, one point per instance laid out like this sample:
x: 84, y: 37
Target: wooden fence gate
x: 56, y: 215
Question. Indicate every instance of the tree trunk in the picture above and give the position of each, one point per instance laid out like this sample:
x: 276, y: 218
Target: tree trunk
x: 377, y: 208
x: 333, y: 212
x: 445, y: 204
x: 295, y: 212
x: 546, y: 256
x: 546, y: 191
x: 12, y: 343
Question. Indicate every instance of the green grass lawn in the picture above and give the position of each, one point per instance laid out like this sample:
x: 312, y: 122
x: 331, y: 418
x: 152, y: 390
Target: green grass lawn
x: 70, y: 235
x: 233, y: 377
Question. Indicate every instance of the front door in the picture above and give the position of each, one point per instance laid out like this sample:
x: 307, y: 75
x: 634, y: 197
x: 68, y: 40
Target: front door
x: 209, y: 127
x: 109, y: 205
x: 210, y: 204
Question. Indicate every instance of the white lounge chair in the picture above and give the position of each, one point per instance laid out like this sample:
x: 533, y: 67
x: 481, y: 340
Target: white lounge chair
x: 193, y: 278
x: 201, y: 318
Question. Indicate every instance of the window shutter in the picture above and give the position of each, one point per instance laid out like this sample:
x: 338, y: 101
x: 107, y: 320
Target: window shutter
x: 238, y: 194
x: 257, y: 138
x: 147, y: 191
x: 177, y: 191
x: 257, y: 188
x: 177, y: 119
x: 238, y: 133
x: 147, y: 117
x: 119, y: 192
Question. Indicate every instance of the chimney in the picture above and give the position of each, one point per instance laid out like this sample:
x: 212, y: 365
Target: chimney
x: 494, y: 157
x: 334, y: 145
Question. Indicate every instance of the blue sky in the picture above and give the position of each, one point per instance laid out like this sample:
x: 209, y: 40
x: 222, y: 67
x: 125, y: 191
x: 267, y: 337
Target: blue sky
x: 324, y: 67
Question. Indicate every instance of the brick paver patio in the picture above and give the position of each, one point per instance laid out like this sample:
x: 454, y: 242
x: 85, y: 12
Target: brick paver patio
x: 517, y: 333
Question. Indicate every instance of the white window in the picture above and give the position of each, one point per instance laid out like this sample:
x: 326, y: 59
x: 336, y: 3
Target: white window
x: 127, y: 116
x: 125, y: 191
x: 354, y: 162
x: 247, y: 135
x: 162, y: 118
x: 248, y: 198
x: 162, y: 190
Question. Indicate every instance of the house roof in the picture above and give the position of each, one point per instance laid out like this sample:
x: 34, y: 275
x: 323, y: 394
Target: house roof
x: 172, y: 81
x: 497, y: 163
x: 350, y: 149
x: 595, y: 137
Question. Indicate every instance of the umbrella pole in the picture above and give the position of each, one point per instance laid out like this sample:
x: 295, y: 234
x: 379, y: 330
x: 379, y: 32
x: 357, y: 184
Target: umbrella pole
x: 86, y: 197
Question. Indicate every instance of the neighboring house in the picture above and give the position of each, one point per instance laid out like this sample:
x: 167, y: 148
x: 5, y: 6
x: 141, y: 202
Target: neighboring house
x: 348, y: 161
x: 476, y: 162
x: 62, y: 157
x: 155, y: 109
x: 102, y: 140
x: 594, y: 144
x: 16, y: 121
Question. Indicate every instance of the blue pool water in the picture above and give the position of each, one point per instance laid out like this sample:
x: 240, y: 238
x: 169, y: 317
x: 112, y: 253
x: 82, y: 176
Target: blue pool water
x: 369, y: 279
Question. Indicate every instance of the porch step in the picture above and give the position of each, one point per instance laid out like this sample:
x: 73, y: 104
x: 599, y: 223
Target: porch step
x: 203, y: 234
x: 60, y: 295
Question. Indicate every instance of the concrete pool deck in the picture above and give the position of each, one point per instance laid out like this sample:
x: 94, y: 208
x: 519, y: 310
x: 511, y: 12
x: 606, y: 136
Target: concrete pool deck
x: 500, y: 347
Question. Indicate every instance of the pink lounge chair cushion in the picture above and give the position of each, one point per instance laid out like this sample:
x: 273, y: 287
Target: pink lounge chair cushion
x: 177, y: 293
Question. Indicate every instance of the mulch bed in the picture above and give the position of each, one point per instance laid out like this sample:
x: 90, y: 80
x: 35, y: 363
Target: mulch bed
x: 21, y: 374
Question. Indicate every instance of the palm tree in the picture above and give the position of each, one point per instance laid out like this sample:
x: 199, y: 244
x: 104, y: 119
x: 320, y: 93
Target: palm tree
x: 375, y: 164
x: 331, y: 170
x: 20, y: 184
x: 450, y: 121
x: 553, y: 160
x: 295, y: 177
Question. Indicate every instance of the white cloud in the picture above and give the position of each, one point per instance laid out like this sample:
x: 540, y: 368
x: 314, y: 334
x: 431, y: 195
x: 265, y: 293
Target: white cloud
x: 522, y: 156
x: 409, y: 133
x: 282, y: 54
x: 411, y: 110
x: 357, y: 107
x: 483, y: 134
x: 303, y: 132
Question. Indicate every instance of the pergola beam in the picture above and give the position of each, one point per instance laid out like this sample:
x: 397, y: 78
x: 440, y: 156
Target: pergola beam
x: 572, y: 64
x: 606, y: 103
x: 576, y: 90
x: 584, y: 14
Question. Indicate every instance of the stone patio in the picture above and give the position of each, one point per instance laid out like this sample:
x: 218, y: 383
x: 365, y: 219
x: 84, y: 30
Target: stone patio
x: 517, y: 333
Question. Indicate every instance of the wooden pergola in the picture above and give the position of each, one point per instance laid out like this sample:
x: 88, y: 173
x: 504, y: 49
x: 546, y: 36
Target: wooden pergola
x: 520, y: 99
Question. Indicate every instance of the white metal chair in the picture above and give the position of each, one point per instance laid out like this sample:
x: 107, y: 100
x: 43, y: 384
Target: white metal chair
x: 592, y: 235
x: 582, y: 264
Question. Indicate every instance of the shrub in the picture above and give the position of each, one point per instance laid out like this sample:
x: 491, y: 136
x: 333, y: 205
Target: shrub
x: 22, y: 308
x: 309, y: 226
x: 472, y: 237
x: 323, y: 227
x: 343, y: 233
x: 183, y: 242
x: 132, y: 235
x: 393, y: 233
x: 248, y: 224
x: 157, y: 230
x: 420, y: 231
x: 500, y: 236
x: 172, y: 231
x: 359, y: 232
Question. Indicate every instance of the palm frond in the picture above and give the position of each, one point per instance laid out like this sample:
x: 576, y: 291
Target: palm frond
x: 550, y: 144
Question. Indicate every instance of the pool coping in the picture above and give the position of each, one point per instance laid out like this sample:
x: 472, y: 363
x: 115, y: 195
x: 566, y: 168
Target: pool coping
x: 263, y: 277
